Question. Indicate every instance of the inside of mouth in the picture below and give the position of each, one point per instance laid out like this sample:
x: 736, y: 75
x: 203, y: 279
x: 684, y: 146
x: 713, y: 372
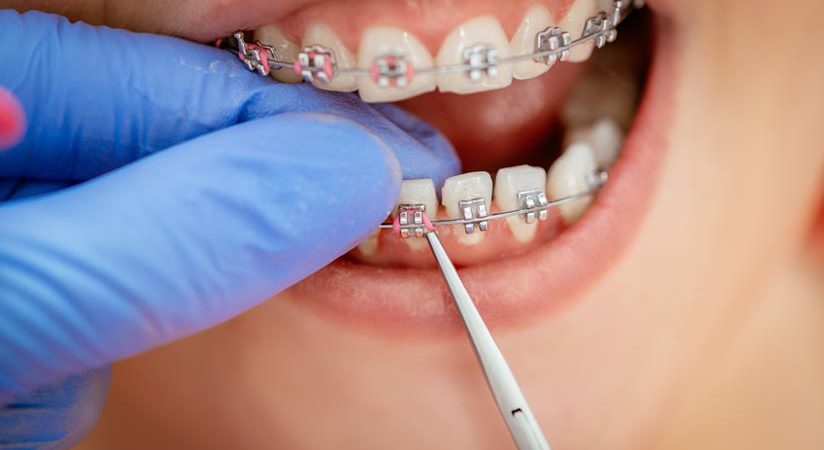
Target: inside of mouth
x: 542, y: 123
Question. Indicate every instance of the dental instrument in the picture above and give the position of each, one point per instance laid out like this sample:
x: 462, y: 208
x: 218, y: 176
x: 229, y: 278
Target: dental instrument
x: 512, y: 405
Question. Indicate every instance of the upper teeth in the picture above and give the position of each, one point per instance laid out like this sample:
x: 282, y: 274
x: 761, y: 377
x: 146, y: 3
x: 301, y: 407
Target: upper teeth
x: 574, y: 22
x: 378, y: 44
x: 282, y: 48
x: 323, y: 36
x: 479, y: 43
x: 392, y: 64
x: 537, y: 20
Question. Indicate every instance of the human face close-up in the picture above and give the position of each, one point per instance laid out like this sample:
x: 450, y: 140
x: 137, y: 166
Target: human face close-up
x: 677, y: 307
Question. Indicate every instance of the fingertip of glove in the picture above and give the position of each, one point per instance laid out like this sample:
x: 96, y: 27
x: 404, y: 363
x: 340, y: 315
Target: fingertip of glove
x: 360, y: 169
x: 435, y: 159
x: 342, y: 141
x: 327, y: 172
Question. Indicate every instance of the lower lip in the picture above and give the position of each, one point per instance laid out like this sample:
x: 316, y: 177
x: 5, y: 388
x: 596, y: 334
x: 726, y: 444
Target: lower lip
x: 534, y: 285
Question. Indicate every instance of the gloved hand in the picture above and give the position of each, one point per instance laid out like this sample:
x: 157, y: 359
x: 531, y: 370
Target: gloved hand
x: 192, y: 190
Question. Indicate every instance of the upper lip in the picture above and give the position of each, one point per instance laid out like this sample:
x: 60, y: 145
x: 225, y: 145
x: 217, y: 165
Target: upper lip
x: 509, y: 290
x: 428, y: 21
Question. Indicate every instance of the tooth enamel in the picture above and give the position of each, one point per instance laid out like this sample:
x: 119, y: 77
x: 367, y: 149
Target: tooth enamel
x: 369, y: 245
x: 571, y: 174
x: 381, y: 41
x: 320, y: 34
x: 284, y: 50
x: 486, y: 31
x: 419, y: 192
x: 601, y: 93
x: 574, y: 21
x: 537, y: 19
x: 605, y: 137
x: 466, y: 186
x: 508, y: 183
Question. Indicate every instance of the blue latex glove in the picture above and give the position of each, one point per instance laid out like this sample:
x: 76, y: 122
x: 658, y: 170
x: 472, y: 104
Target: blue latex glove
x: 197, y: 190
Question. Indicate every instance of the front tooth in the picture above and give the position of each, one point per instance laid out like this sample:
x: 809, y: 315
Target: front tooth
x: 605, y: 137
x: 574, y: 22
x: 467, y: 186
x: 284, y: 50
x: 571, y: 174
x: 536, y: 20
x: 419, y: 192
x: 320, y: 34
x: 370, y: 245
x: 382, y: 42
x: 486, y: 35
x: 508, y: 183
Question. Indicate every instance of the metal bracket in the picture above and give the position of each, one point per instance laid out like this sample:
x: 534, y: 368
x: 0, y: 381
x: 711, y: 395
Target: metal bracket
x: 601, y: 28
x: 597, y: 179
x: 617, y: 13
x: 531, y: 199
x: 482, y: 60
x: 474, y: 209
x: 254, y: 56
x: 551, y: 40
x: 410, y: 218
x: 316, y: 63
x: 391, y: 70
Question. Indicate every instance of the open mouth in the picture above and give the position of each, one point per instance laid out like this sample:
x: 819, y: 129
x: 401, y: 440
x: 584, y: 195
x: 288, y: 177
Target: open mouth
x: 537, y: 135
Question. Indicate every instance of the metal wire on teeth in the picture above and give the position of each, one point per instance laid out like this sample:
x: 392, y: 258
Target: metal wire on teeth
x: 317, y: 64
x: 475, y: 212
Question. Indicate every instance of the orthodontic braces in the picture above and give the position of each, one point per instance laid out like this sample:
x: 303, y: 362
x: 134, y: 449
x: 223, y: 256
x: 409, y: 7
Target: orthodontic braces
x: 317, y: 64
x: 413, y: 222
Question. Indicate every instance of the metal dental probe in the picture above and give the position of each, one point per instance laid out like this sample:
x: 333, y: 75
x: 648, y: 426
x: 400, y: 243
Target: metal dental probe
x: 518, y: 417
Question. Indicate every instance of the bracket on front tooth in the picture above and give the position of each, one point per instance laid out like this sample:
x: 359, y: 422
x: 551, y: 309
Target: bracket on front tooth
x: 392, y: 70
x: 550, y: 41
x: 532, y: 199
x: 316, y: 63
x: 474, y: 209
x: 410, y: 219
x: 482, y: 60
x: 601, y: 28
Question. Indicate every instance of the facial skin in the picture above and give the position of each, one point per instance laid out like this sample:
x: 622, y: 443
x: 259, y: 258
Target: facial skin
x: 707, y: 332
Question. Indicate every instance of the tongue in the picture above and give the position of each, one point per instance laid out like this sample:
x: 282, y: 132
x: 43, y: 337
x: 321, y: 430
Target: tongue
x: 501, y: 128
